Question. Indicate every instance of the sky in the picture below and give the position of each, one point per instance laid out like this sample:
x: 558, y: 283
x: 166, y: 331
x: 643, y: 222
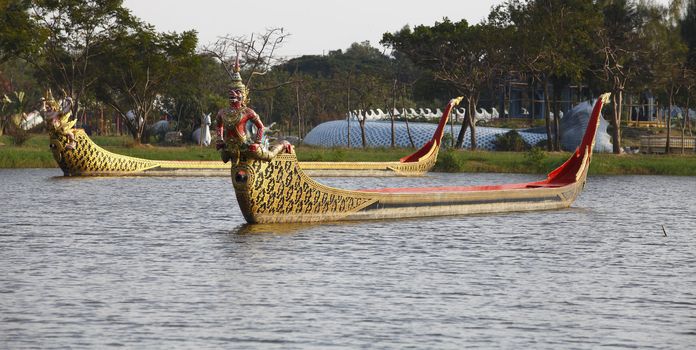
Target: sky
x: 315, y: 27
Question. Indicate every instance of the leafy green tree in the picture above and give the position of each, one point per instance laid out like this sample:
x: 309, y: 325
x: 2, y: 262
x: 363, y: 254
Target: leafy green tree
x: 527, y: 49
x: 554, y: 43
x: 138, y: 67
x: 19, y: 34
x: 74, y: 32
x: 193, y: 91
x: 666, y: 57
x: 500, y: 37
x: 687, y: 27
x: 688, y: 33
x: 359, y: 57
x: 405, y: 73
x: 331, y: 85
x: 274, y: 100
x: 620, y: 48
x: 455, y: 54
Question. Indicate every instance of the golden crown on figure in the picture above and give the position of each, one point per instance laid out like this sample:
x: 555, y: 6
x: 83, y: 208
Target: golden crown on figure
x: 238, y: 84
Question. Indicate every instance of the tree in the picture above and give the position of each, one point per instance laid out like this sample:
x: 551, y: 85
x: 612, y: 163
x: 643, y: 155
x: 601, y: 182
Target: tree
x: 367, y: 90
x: 454, y: 53
x: 405, y: 73
x: 75, y: 32
x: 16, y: 75
x: 19, y: 34
x: 500, y: 37
x: 622, y: 54
x: 331, y: 84
x: 138, y: 67
x: 529, y: 50
x: 257, y: 56
x: 553, y: 42
x: 688, y: 33
x: 256, y: 53
x: 666, y: 56
x: 277, y: 103
x: 194, y: 91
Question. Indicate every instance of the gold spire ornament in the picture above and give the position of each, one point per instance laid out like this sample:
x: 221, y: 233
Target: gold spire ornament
x: 50, y: 102
x: 237, y: 84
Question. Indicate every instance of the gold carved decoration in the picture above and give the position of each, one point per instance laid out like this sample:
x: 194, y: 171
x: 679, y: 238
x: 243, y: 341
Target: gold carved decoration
x: 269, y: 191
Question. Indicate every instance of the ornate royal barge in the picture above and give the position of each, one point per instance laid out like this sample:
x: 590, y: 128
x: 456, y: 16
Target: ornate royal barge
x: 86, y: 158
x: 280, y: 191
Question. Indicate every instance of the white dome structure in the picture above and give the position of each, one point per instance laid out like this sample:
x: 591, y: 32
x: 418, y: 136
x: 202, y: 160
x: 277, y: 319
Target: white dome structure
x: 378, y: 134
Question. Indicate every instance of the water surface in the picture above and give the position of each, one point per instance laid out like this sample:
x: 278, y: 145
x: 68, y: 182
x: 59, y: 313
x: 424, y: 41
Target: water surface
x: 169, y: 263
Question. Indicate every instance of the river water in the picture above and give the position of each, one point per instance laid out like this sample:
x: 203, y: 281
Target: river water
x: 169, y: 263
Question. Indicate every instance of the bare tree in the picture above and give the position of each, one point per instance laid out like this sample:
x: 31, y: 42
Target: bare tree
x: 367, y: 90
x: 256, y: 52
x: 689, y: 78
x: 617, y: 74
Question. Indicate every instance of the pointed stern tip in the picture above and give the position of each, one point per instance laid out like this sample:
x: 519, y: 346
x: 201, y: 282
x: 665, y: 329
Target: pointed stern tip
x: 427, y: 148
x: 577, y: 165
x: 588, y: 139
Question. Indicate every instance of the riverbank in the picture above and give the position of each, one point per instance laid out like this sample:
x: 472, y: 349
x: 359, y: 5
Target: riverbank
x: 543, y: 162
x: 35, y: 154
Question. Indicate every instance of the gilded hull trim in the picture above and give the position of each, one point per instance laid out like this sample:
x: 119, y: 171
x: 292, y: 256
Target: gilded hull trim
x: 279, y: 191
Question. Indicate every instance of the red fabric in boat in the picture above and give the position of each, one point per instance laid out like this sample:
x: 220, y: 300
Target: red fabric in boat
x: 449, y: 189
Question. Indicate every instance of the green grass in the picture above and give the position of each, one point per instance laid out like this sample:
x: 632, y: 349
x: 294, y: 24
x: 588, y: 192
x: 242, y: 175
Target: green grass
x: 23, y: 157
x: 36, y: 154
x: 644, y: 164
x: 317, y: 154
x: 496, y: 162
x: 602, y: 163
x: 168, y: 153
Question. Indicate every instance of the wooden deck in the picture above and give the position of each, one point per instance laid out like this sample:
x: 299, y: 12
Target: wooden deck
x: 646, y: 124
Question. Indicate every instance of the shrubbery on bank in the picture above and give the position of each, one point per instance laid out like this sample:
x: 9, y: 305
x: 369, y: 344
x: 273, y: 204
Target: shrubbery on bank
x: 36, y: 154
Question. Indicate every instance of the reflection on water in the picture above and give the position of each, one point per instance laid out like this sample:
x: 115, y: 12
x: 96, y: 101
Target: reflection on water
x: 170, y: 263
x: 275, y: 229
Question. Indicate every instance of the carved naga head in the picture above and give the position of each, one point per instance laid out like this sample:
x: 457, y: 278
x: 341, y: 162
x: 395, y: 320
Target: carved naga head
x: 58, y: 123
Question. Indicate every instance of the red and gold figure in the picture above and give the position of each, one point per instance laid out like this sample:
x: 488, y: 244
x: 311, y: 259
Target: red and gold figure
x: 233, y: 126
